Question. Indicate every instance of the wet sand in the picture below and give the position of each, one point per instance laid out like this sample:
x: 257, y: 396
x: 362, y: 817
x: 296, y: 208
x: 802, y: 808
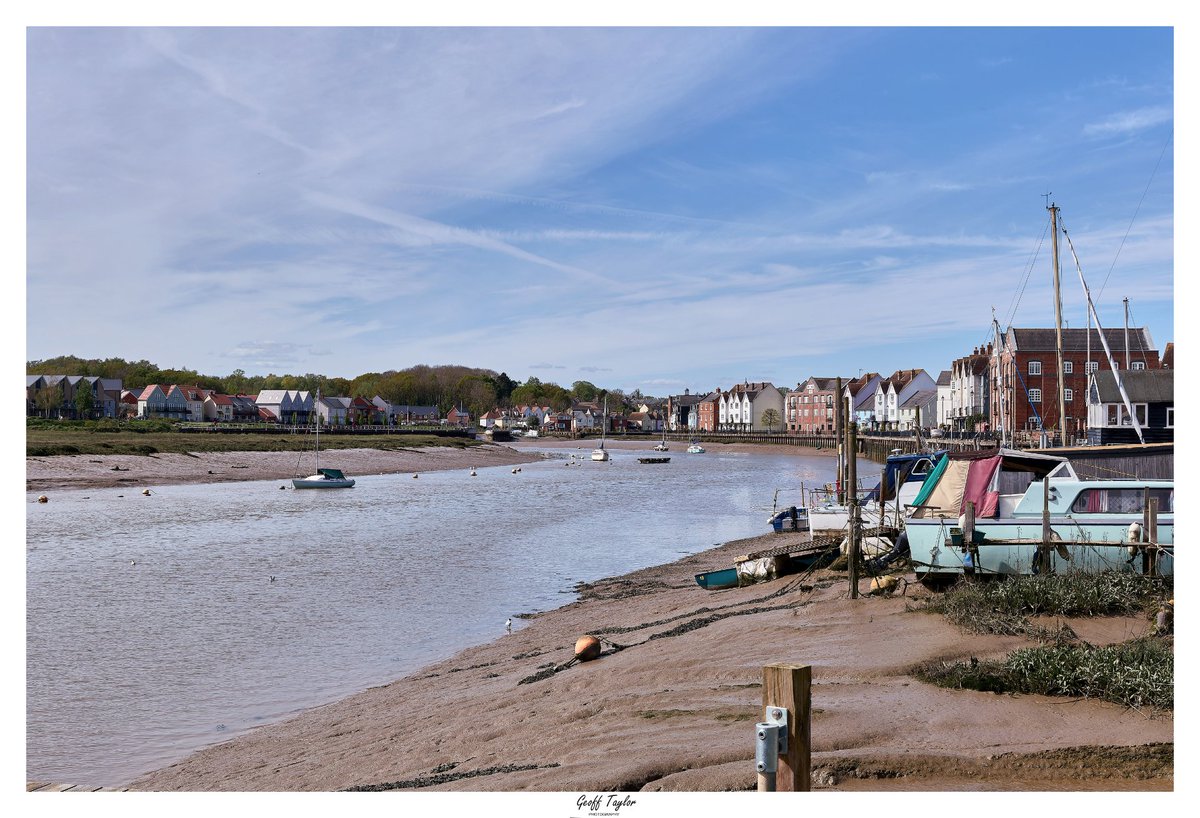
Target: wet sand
x: 671, y: 704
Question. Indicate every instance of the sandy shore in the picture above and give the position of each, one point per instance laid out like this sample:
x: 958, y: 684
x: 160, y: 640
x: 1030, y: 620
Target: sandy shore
x: 674, y: 707
x: 43, y: 474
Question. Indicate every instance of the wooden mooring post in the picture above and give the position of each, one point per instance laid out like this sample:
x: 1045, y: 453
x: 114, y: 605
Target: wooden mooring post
x: 852, y: 501
x: 789, y: 688
x: 1152, y: 535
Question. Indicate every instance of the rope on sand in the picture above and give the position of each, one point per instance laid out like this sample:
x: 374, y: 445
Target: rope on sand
x: 715, y: 615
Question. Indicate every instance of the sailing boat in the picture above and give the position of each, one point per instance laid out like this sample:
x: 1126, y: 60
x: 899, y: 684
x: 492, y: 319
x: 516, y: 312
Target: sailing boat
x: 322, y: 478
x: 663, y: 447
x: 598, y: 453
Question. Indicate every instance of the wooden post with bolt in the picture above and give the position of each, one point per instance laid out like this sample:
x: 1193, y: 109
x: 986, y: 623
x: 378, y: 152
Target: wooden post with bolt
x: 789, y: 687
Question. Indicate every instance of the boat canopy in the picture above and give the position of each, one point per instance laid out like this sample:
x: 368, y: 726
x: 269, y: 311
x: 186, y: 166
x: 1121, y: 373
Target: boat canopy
x: 902, y: 466
x: 980, y: 478
x: 332, y: 474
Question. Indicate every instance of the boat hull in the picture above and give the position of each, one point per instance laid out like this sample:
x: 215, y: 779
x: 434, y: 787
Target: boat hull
x: 322, y: 483
x: 715, y: 580
x: 1010, y: 547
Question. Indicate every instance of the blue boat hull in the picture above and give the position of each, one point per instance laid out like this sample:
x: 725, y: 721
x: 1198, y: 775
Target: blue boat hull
x: 715, y: 580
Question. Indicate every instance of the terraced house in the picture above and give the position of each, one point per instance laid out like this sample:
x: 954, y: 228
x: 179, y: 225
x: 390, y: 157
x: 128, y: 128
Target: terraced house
x: 741, y: 408
x: 72, y: 396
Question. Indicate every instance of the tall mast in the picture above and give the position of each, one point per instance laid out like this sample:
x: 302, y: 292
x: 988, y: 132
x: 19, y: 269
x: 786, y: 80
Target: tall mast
x: 999, y: 381
x: 1126, y: 300
x: 1058, y: 341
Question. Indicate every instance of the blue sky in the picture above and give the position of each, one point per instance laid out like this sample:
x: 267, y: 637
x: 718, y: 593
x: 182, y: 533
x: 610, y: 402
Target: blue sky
x: 643, y: 208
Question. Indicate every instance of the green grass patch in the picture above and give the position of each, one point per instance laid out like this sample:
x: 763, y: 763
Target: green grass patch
x: 1002, y: 606
x: 133, y: 438
x: 1138, y: 673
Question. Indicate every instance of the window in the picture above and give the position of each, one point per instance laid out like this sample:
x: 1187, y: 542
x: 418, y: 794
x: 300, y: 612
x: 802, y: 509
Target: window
x: 1068, y: 395
x: 1137, y: 366
x: 1035, y: 367
x: 1035, y: 396
x: 1092, y: 366
x: 1117, y: 416
x: 1122, y: 501
x: 1068, y: 369
x: 1170, y: 417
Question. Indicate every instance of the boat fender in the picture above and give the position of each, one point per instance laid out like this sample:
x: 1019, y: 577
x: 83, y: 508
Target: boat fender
x: 884, y: 585
x: 587, y: 648
x: 1135, y: 532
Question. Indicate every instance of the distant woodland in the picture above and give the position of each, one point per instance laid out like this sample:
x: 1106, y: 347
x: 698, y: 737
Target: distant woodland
x: 446, y: 386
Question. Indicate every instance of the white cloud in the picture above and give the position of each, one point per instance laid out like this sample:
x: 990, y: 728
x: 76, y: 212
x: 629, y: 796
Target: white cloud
x: 1125, y: 122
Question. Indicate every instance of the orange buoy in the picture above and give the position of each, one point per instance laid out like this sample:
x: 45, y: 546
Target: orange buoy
x: 587, y: 648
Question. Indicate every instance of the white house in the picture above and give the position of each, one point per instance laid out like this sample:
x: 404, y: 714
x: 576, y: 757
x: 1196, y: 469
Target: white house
x: 742, y: 407
x: 944, y: 383
x: 919, y: 407
x: 897, y: 388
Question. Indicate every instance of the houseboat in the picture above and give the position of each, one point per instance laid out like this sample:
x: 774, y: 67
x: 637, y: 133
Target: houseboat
x: 1023, y: 513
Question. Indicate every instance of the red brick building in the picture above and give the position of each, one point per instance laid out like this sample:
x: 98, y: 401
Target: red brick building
x: 1029, y: 375
x: 707, y: 411
x: 809, y: 408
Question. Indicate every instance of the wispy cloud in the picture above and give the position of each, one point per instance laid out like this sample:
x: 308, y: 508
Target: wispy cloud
x: 1126, y: 122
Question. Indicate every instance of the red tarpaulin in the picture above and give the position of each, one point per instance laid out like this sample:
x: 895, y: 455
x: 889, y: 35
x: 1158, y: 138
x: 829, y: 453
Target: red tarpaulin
x: 979, y: 477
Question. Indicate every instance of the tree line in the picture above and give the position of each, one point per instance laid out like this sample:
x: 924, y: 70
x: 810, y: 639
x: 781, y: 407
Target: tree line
x: 445, y: 386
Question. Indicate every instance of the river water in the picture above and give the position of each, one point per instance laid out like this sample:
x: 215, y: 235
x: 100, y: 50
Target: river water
x: 154, y: 627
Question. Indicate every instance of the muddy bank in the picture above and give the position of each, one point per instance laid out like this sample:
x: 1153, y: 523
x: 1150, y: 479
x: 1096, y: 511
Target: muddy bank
x: 44, y: 474
x: 671, y: 704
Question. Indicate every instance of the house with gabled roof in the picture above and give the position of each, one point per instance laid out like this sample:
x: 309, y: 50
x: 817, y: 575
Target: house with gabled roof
x: 706, y: 411
x: 458, y: 417
x: 809, y: 408
x: 860, y: 391
x: 893, y: 391
x: 218, y: 408
x: 683, y: 411
x: 919, y: 408
x: 162, y: 401
x: 741, y: 407
x: 1151, y: 395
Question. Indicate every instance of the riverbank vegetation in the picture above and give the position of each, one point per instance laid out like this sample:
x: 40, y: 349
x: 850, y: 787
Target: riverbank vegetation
x: 1137, y: 673
x: 50, y: 438
x: 444, y: 386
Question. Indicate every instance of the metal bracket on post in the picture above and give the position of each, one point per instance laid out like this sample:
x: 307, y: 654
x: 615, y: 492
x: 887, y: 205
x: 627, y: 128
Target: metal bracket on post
x: 771, y: 740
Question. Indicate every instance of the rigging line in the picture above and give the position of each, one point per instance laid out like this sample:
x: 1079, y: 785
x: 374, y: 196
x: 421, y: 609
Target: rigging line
x: 1170, y: 135
x: 1015, y: 304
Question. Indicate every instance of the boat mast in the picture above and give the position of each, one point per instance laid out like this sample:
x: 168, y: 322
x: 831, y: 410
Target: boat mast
x: 1126, y: 300
x: 999, y: 381
x: 1058, y: 341
x: 317, y: 470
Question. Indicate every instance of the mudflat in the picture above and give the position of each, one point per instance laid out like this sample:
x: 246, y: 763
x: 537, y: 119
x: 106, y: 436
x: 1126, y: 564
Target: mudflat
x: 671, y: 703
x: 146, y: 471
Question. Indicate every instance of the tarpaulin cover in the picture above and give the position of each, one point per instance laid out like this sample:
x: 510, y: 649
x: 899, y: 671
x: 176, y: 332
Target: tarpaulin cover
x: 979, y: 477
x: 930, y: 482
x: 946, y: 497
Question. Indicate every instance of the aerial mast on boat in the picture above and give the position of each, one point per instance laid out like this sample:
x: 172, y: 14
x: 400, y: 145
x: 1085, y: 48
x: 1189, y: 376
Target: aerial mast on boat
x: 1058, y: 339
x: 999, y: 381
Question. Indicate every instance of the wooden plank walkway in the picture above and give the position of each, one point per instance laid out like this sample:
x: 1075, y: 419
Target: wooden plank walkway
x: 815, y: 546
x: 44, y: 786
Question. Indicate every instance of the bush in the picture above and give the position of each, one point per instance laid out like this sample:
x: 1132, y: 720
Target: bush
x: 1002, y: 605
x: 1138, y: 673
